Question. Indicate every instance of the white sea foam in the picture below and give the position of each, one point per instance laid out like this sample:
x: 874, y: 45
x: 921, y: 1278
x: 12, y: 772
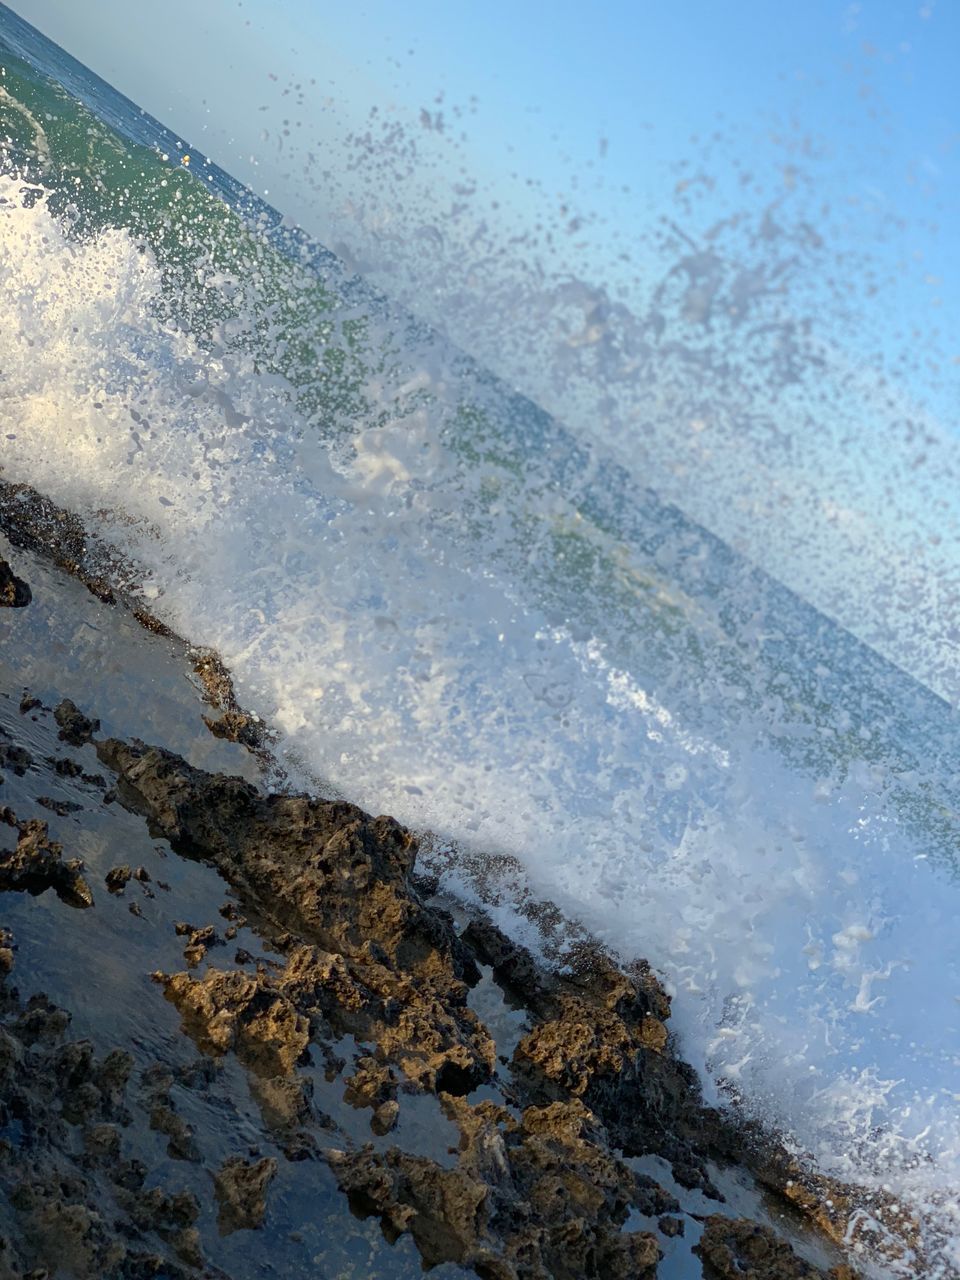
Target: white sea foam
x: 804, y: 933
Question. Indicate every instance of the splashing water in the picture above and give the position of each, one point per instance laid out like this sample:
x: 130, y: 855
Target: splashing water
x: 459, y: 609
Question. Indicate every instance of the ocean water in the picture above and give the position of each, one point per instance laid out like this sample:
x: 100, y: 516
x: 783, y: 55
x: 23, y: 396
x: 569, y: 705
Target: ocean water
x: 468, y: 611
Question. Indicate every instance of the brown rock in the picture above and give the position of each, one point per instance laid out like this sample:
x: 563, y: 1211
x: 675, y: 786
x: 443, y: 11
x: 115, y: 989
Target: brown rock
x: 381, y: 965
x: 237, y: 726
x: 241, y: 1191
x: 37, y: 864
x: 385, y: 1117
x: 365, y: 955
x: 74, y: 1206
x: 102, y: 1141
x: 75, y: 728
x: 872, y: 1219
x: 284, y: 1100
x: 117, y: 878
x: 371, y: 1084
x: 14, y: 592
x: 60, y: 807
x: 738, y: 1249
x: 17, y: 759
x: 542, y: 1197
x: 243, y: 1012
x: 181, y: 1144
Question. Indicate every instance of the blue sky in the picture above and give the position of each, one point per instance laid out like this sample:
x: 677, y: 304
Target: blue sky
x: 550, y: 79
x: 565, y: 109
x: 589, y: 104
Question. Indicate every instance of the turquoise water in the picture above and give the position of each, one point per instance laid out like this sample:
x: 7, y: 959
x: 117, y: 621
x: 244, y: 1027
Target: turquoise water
x: 457, y: 608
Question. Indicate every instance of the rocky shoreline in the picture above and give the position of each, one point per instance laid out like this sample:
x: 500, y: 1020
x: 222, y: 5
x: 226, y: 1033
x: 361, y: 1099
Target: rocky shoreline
x: 241, y: 1035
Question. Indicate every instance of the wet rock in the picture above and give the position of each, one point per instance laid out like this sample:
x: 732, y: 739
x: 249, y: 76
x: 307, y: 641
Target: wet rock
x: 199, y: 942
x: 171, y: 1216
x: 78, y: 1208
x: 513, y: 966
x: 534, y: 1192
x: 384, y: 966
x: 7, y: 949
x: 241, y: 1191
x: 599, y: 1034
x: 11, y: 1264
x: 234, y: 724
x: 60, y: 807
x: 738, y: 1249
x: 34, y: 523
x: 285, y: 1101
x: 440, y: 1207
x: 70, y: 1235
x: 215, y: 679
x: 75, y: 727
x: 102, y: 1141
x: 385, y: 1117
x: 603, y: 1041
x: 371, y: 1084
x: 237, y: 726
x: 325, y: 869
x: 37, y: 864
x: 186, y: 1244
x: 117, y: 878
x: 873, y: 1220
x: 64, y: 767
x: 14, y: 592
x: 181, y: 1144
x: 164, y: 1119
x: 13, y: 757
x: 150, y: 622
x: 583, y: 1045
x: 40, y: 1022
x: 241, y: 1012
x: 542, y: 1196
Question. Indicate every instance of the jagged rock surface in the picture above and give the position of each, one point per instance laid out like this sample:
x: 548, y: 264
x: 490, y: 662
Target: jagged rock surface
x: 534, y: 1185
x: 36, y: 864
x: 14, y: 592
x: 382, y: 965
x: 79, y: 1195
x: 738, y: 1249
